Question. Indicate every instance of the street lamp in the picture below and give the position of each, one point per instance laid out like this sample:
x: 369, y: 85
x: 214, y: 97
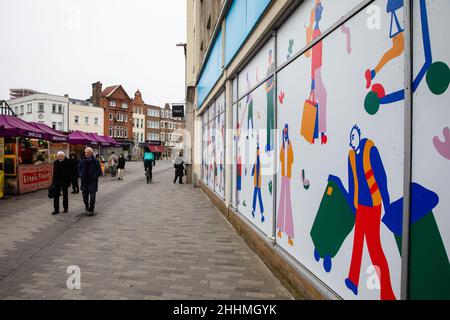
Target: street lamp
x: 182, y: 44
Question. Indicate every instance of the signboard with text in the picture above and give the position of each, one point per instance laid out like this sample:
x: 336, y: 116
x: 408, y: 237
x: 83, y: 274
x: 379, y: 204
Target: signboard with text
x: 178, y: 111
x: 34, y: 177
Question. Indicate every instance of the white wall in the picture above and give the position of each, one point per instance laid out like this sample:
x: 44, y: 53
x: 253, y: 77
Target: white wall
x: 84, y: 111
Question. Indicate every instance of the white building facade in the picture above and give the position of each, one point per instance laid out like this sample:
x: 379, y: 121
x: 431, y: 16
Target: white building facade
x: 84, y: 116
x: 43, y: 108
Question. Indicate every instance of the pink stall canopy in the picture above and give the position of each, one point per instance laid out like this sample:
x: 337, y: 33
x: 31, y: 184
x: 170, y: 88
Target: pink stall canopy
x: 101, y: 141
x: 11, y: 126
x: 113, y: 142
x: 52, y: 135
x: 82, y: 138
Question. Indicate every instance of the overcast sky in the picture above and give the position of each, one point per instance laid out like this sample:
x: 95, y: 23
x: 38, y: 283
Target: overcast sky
x: 63, y: 46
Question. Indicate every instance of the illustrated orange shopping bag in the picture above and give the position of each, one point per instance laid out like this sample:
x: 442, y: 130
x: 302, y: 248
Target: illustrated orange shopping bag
x: 309, y: 119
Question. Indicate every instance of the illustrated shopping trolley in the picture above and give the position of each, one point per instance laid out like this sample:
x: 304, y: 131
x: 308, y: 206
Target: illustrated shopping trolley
x: 334, y: 222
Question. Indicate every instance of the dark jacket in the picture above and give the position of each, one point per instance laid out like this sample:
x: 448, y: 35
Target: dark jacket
x: 89, y: 179
x: 62, y: 173
x: 179, y: 169
x: 121, y: 164
x: 75, y: 163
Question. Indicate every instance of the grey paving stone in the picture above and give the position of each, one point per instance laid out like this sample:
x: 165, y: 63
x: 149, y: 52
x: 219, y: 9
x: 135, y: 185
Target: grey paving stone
x: 156, y: 241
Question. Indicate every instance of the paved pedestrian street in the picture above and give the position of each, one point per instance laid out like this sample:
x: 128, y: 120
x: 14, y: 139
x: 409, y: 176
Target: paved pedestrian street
x: 157, y: 241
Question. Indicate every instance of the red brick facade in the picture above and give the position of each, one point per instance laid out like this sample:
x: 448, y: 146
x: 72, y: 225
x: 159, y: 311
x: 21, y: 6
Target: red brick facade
x: 118, y: 111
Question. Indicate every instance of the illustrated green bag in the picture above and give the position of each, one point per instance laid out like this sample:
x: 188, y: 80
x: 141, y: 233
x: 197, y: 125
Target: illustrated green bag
x: 334, y: 222
x: 429, y: 268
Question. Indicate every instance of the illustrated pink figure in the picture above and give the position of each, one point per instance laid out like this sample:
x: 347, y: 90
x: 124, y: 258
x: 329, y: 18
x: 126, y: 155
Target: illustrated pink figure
x: 318, y: 89
x: 285, y: 222
x: 443, y: 147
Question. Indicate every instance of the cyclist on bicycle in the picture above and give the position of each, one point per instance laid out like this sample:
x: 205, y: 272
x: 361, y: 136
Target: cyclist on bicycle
x: 149, y: 162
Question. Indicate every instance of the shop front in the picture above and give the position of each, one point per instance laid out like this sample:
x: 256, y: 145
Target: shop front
x: 156, y: 148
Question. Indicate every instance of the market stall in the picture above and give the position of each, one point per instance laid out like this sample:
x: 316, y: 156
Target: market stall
x: 79, y: 140
x: 58, y: 140
x: 26, y: 163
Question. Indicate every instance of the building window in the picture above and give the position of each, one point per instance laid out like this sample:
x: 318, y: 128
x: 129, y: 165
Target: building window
x: 120, y: 117
x: 96, y: 121
x: 86, y: 120
x: 126, y: 133
x: 22, y: 110
x: 54, y: 125
x: 53, y: 108
x: 16, y: 110
x: 112, y: 103
x: 60, y: 126
x: 125, y: 105
x: 60, y: 108
x: 111, y: 117
x: 40, y: 107
x: 77, y: 119
x: 29, y: 108
x: 125, y: 118
x: 111, y: 131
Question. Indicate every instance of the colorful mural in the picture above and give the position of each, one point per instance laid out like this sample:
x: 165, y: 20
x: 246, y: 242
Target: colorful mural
x: 437, y: 73
x: 353, y: 230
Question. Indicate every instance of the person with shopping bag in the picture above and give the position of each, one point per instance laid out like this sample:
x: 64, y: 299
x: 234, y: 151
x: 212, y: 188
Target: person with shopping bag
x: 113, y: 162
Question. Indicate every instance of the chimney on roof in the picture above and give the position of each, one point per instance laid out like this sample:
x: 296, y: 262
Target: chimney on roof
x: 96, y: 93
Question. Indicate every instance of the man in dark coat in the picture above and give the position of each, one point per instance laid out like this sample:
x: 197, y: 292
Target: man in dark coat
x: 89, y: 171
x: 62, y: 177
x: 75, y: 177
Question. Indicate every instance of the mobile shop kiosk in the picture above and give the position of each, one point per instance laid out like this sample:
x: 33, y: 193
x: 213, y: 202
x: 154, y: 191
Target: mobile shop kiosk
x: 26, y: 162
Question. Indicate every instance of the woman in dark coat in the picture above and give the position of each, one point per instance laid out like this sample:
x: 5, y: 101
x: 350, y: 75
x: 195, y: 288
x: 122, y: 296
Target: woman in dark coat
x: 121, y: 166
x: 75, y: 163
x: 62, y: 177
x: 89, y: 171
x: 179, y: 169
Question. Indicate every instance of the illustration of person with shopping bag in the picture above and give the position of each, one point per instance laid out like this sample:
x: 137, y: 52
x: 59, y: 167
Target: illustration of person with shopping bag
x: 314, y: 120
x: 285, y: 222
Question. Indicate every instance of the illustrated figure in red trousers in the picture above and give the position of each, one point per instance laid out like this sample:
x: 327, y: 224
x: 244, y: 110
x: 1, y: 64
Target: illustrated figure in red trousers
x: 368, y: 189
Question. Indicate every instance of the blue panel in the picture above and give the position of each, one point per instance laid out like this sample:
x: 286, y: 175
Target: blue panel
x: 212, y: 71
x: 236, y: 28
x: 255, y: 8
x: 240, y: 20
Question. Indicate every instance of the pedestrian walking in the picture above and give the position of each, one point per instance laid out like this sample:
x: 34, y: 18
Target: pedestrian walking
x: 121, y: 167
x: 89, y: 171
x: 112, y: 162
x: 62, y: 177
x: 75, y: 176
x: 179, y: 169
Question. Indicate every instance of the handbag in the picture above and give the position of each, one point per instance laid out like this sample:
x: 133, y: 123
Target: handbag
x: 309, y: 119
x: 51, y: 192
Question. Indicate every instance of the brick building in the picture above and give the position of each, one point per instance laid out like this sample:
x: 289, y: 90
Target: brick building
x: 118, y: 113
x: 171, y: 132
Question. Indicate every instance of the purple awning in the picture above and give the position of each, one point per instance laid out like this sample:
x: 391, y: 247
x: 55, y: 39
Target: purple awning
x: 112, y: 141
x: 100, y: 140
x: 52, y: 134
x: 82, y: 138
x: 15, y: 127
